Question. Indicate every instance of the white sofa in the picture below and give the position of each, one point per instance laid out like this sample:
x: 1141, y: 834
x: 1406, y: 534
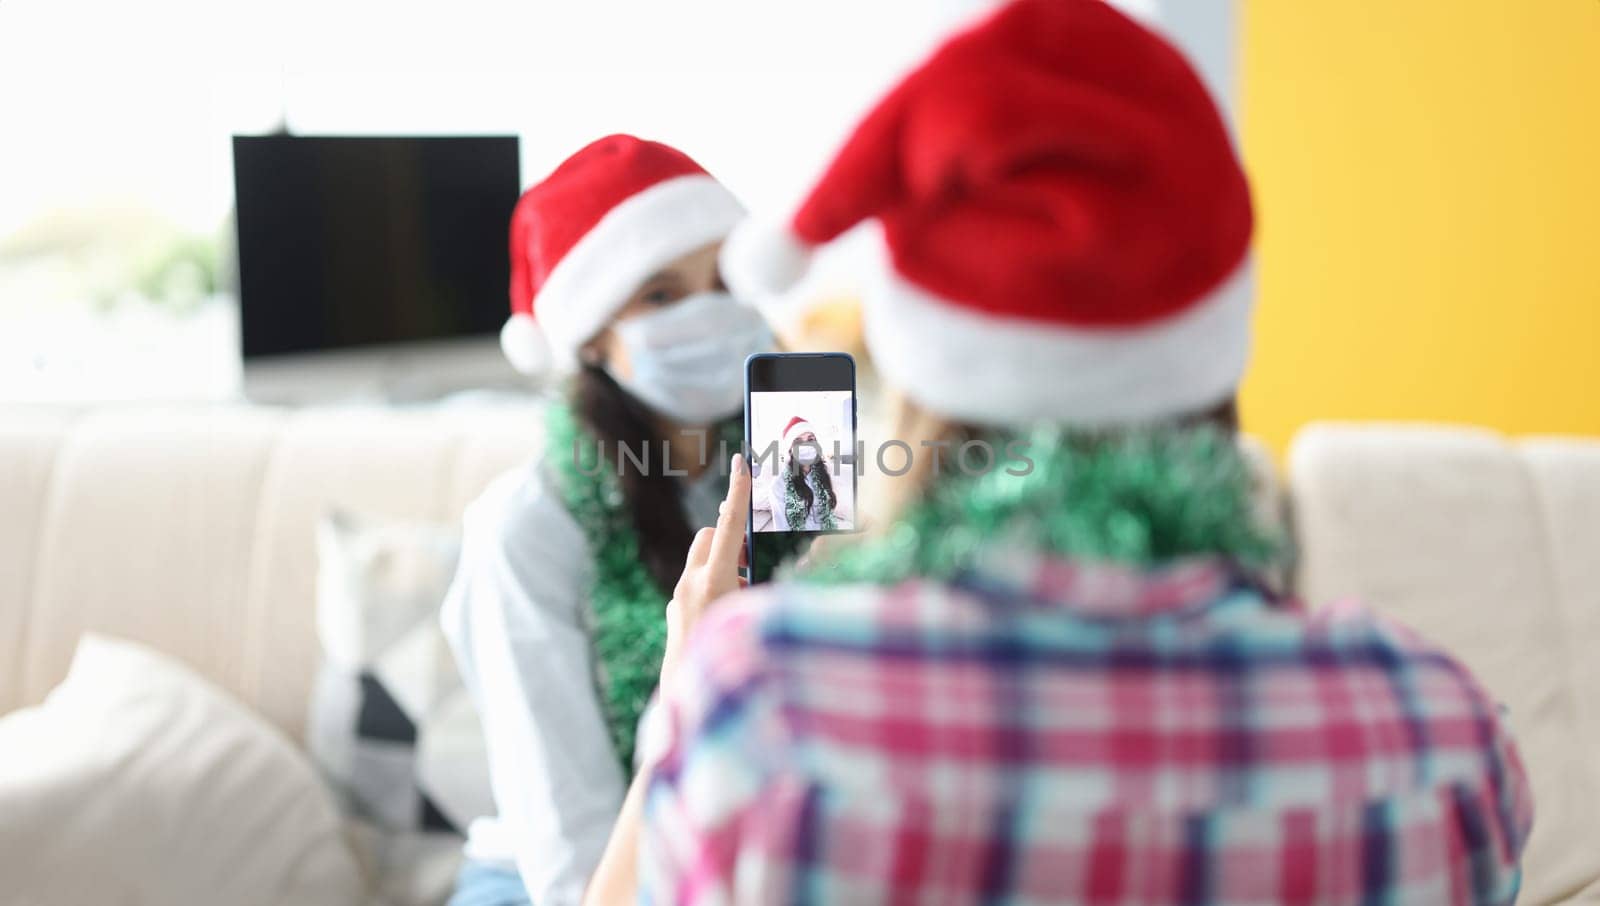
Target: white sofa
x: 191, y: 530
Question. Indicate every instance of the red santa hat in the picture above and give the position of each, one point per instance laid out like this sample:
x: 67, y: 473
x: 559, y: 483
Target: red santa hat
x: 585, y: 238
x: 1062, y: 221
x: 792, y: 431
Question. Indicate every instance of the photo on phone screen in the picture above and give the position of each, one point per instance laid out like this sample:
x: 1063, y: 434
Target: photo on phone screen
x: 800, y: 425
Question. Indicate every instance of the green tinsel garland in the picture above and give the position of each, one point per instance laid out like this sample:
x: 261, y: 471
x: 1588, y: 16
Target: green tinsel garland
x: 630, y: 629
x: 794, y: 508
x: 1140, y: 497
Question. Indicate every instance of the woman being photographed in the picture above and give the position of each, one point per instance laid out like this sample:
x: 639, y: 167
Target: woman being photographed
x: 555, y: 615
x: 801, y: 490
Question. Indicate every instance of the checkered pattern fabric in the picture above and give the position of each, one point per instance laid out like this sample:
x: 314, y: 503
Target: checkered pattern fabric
x: 391, y: 725
x: 1044, y: 732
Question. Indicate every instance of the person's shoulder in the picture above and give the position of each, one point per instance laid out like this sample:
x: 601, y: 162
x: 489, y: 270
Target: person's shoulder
x: 519, y: 534
x: 775, y: 623
x: 519, y: 505
x: 728, y: 643
x: 752, y: 647
x: 1432, y: 682
x: 739, y: 641
x: 1352, y: 623
x: 775, y: 489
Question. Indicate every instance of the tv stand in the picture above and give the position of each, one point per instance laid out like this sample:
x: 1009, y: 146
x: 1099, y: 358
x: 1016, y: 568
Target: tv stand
x: 400, y: 373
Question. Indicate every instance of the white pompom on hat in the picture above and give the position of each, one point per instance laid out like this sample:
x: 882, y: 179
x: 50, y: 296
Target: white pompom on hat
x: 585, y: 238
x: 765, y: 255
x: 524, y: 345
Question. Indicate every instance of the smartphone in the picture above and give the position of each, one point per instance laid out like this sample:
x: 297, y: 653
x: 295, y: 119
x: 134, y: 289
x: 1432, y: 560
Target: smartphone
x: 801, y: 447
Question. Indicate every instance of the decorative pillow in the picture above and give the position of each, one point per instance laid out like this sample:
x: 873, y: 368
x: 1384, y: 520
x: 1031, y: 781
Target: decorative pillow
x: 137, y: 782
x: 391, y: 724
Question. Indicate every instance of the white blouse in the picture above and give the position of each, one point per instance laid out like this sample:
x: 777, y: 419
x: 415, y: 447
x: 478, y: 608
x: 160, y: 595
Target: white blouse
x: 518, y: 620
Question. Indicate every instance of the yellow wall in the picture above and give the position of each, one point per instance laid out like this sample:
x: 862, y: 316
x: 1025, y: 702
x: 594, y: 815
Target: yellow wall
x: 1427, y: 178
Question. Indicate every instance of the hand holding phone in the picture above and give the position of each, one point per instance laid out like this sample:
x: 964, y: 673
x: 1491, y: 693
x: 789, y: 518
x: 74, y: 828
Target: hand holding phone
x: 711, y: 569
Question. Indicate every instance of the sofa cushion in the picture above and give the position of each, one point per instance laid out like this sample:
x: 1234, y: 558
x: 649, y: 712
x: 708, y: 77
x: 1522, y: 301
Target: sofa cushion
x: 29, y: 442
x: 137, y: 782
x: 191, y: 528
x: 1566, y: 483
x: 391, y: 723
x: 1441, y: 529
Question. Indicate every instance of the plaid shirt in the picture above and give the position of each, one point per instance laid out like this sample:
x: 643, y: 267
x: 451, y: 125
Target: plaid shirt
x: 1044, y: 732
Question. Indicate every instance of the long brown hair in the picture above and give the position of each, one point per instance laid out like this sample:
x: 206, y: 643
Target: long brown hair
x: 801, y: 487
x: 652, y: 496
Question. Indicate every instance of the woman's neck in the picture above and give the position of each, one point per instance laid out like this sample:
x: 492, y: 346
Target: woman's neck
x: 689, y: 447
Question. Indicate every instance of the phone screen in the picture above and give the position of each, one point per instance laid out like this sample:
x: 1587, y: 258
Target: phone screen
x: 800, y: 429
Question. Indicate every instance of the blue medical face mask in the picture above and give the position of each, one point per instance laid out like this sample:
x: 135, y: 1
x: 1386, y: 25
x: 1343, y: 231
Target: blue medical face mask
x: 688, y: 358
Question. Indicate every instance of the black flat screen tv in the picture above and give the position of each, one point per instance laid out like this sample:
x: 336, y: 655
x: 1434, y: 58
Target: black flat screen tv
x: 371, y: 241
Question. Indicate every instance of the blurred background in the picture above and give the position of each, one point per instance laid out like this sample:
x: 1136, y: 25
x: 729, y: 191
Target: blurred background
x: 1426, y: 187
x: 1429, y: 204
x: 205, y: 203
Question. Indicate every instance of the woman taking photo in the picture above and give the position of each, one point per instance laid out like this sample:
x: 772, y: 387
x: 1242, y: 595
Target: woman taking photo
x: 801, y: 491
x: 1059, y: 679
x: 555, y: 615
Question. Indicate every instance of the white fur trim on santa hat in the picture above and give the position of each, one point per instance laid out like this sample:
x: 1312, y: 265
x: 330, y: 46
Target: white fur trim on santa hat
x: 631, y: 242
x: 794, y: 431
x: 524, y: 344
x: 968, y: 366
